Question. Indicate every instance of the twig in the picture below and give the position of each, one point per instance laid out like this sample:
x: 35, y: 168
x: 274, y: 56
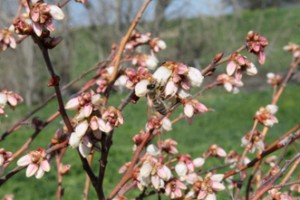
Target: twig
x: 268, y: 184
x: 60, y: 190
x: 213, y: 64
x: 265, y: 153
x: 15, y: 126
x: 117, y: 59
x: 30, y: 140
x: 87, y: 179
x: 129, y: 171
x: 4, y: 178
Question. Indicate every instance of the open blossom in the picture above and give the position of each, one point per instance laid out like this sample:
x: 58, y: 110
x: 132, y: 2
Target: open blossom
x: 238, y: 64
x: 233, y: 158
x: 255, y: 141
x: 85, y: 103
x: 231, y: 84
x: 79, y: 139
x: 4, y: 158
x: 136, y: 39
x: 266, y: 115
x: 42, y: 15
x: 174, y: 187
x: 144, y: 60
x: 256, y: 44
x: 36, y: 163
x: 294, y: 48
x: 216, y: 151
x: 274, y: 79
x: 206, y: 188
x: 9, y: 98
x: 192, y: 107
x: 153, y: 174
x: 169, y: 146
x: 7, y: 39
x: 157, y: 44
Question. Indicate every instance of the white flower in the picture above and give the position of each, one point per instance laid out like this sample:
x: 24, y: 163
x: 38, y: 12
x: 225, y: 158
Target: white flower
x: 56, y: 12
x: 153, y: 150
x: 195, y: 77
x: 181, y: 169
x: 3, y: 99
x: 171, y: 88
x: 188, y: 110
x: 162, y: 75
x: 151, y: 62
x: 272, y: 108
x: 141, y: 88
x: 198, y: 162
x: 251, y: 70
x: 166, y: 124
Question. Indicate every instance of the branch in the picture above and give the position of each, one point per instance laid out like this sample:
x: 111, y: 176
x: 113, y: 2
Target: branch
x: 268, y: 184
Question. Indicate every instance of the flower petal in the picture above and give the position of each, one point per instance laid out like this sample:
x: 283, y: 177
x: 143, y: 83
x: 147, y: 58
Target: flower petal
x: 56, y: 12
x: 24, y: 161
x: 31, y: 169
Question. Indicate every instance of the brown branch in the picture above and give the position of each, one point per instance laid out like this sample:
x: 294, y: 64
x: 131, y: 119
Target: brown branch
x: 17, y: 125
x: 268, y: 184
x: 213, y: 64
x: 289, y: 75
x: 125, y: 39
x: 10, y: 174
x: 60, y: 190
x: 265, y: 153
x: 106, y: 142
x: 30, y: 140
x: 87, y: 179
x: 126, y: 177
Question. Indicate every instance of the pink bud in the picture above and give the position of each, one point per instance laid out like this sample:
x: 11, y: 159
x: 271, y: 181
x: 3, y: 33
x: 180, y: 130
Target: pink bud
x: 72, y: 104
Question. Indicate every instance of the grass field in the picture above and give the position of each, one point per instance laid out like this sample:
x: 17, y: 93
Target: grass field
x: 226, y: 125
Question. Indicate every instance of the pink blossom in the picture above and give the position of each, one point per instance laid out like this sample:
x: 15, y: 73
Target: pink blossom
x: 9, y: 98
x: 144, y: 60
x: 169, y: 146
x: 156, y: 45
x: 174, y: 187
x: 36, y: 163
x: 42, y: 15
x: 266, y: 115
x: 231, y: 84
x: 216, y: 151
x: 256, y: 44
x: 206, y: 188
x: 192, y: 107
x: 254, y: 141
x: 4, y: 158
x: 274, y: 79
x: 7, y: 39
x: 238, y: 64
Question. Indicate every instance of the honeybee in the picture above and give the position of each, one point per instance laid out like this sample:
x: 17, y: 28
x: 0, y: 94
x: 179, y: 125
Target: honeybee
x: 156, y: 96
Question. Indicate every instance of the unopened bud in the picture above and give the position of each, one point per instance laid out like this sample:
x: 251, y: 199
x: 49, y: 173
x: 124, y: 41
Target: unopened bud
x: 218, y: 57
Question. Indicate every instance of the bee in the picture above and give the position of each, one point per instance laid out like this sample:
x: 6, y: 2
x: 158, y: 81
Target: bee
x: 155, y: 95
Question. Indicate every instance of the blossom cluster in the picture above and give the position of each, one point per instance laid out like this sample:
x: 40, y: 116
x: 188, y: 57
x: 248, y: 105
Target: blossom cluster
x: 256, y: 44
x: 162, y: 170
x: 38, y: 18
x: 36, y: 162
x: 89, y: 122
x: 9, y: 98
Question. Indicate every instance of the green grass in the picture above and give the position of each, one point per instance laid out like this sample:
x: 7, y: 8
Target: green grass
x: 230, y: 120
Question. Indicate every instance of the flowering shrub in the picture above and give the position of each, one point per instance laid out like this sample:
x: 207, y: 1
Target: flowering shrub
x: 157, y: 166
